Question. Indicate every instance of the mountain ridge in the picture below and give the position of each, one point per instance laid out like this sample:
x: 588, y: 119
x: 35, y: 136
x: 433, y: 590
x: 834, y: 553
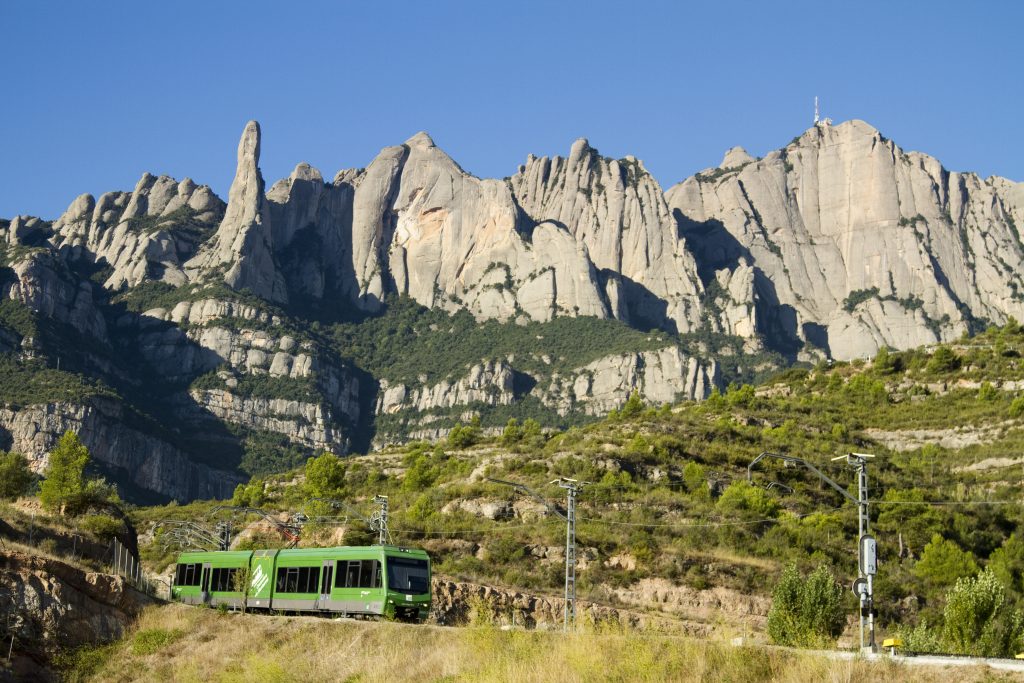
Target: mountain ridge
x: 267, y: 323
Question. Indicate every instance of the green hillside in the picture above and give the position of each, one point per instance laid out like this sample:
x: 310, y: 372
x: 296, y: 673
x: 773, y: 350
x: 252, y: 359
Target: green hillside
x: 668, y: 494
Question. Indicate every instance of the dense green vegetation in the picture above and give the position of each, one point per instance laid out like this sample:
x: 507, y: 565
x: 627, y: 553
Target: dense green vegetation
x: 409, y: 341
x: 24, y: 383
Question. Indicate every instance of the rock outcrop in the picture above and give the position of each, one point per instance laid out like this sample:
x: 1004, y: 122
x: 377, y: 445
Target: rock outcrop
x: 43, y: 284
x: 243, y: 247
x: 226, y: 314
x: 310, y: 424
x: 616, y: 210
x: 663, y: 376
x: 134, y: 456
x: 146, y: 234
x: 856, y: 244
x: 59, y: 607
x: 460, y: 602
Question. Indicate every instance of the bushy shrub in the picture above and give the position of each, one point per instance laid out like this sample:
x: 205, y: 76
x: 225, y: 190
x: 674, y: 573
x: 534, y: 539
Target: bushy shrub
x: 325, y: 475
x: 65, y: 473
x: 741, y: 496
x: 943, y: 563
x: 943, y: 360
x: 513, y: 433
x: 806, y: 611
x: 1017, y: 407
x: 987, y: 392
x: 15, y: 477
x: 464, y: 436
x: 103, y: 527
x: 978, y: 621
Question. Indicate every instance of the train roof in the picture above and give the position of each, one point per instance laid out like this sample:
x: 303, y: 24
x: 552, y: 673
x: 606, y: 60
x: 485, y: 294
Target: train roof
x: 305, y: 552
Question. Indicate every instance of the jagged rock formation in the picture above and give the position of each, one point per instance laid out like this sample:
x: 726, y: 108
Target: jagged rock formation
x: 662, y: 376
x: 223, y: 318
x: 490, y: 383
x: 243, y: 245
x: 856, y: 244
x: 311, y: 424
x: 145, y: 234
x: 617, y: 211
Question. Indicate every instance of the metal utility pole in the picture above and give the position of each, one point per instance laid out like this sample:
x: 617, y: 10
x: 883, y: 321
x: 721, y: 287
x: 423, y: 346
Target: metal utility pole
x: 867, y: 552
x: 380, y: 520
x: 377, y: 522
x: 572, y: 488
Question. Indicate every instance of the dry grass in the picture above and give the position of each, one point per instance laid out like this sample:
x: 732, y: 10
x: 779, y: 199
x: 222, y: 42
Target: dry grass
x: 178, y: 643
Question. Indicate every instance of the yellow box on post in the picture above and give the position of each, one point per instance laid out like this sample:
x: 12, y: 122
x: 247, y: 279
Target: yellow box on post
x: 891, y: 644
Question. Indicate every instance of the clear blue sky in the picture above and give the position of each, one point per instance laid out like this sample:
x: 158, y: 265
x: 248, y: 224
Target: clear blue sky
x: 95, y: 93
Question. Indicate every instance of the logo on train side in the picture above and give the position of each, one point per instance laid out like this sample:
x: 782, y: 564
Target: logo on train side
x: 259, y: 580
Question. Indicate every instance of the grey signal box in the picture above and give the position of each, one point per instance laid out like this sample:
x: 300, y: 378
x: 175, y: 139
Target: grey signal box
x: 868, y: 555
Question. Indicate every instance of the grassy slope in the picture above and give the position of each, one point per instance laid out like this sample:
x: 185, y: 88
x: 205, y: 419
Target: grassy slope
x: 177, y: 643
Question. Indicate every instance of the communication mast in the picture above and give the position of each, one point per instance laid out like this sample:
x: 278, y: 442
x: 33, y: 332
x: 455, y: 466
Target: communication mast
x: 818, y: 121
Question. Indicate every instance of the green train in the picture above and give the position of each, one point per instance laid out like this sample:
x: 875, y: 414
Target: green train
x: 377, y: 580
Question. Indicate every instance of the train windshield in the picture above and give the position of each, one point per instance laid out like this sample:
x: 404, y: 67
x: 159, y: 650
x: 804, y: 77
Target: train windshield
x: 408, y: 575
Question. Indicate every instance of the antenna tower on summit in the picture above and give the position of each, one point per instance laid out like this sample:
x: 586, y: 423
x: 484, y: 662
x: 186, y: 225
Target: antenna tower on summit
x: 818, y: 121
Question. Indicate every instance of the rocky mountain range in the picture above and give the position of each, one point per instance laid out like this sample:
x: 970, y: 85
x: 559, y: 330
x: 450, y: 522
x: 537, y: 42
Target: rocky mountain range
x: 194, y: 342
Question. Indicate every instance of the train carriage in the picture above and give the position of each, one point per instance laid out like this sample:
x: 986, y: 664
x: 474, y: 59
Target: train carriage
x: 387, y: 581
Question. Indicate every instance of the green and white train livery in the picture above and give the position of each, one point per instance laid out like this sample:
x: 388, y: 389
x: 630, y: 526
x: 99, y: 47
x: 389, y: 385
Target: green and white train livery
x: 375, y: 580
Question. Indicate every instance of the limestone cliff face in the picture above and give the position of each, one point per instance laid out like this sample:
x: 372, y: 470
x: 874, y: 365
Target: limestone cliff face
x: 855, y: 243
x: 310, y: 424
x: 43, y: 284
x: 617, y: 211
x: 488, y: 383
x: 144, y: 460
x: 661, y: 376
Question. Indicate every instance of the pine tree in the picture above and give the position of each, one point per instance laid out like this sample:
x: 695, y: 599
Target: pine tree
x: 65, y: 480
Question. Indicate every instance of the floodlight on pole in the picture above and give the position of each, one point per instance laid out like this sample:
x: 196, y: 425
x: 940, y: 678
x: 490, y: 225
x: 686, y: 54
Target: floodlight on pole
x: 867, y: 549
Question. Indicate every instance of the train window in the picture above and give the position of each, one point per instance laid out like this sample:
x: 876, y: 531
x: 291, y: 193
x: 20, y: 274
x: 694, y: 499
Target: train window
x: 188, y: 575
x: 223, y: 579
x: 309, y: 577
x: 287, y: 579
x: 298, y: 579
x: 367, y: 574
x: 352, y: 580
x: 408, y: 575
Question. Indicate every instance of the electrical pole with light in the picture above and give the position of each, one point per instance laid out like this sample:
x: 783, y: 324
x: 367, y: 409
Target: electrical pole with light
x: 867, y: 549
